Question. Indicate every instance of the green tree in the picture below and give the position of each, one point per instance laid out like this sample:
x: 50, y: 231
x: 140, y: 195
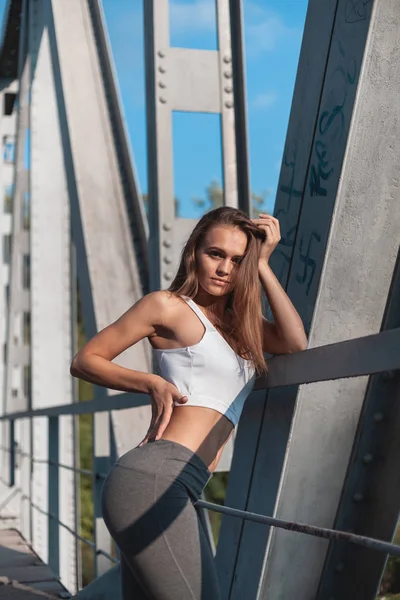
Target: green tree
x: 145, y: 198
x: 215, y: 198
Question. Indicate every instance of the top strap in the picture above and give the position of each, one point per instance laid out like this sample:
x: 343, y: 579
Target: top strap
x: 206, y: 322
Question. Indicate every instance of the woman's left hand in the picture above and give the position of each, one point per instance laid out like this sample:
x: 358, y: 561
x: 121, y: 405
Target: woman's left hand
x: 271, y: 227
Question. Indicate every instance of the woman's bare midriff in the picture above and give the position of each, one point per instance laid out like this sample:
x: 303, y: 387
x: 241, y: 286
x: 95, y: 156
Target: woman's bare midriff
x: 202, y: 430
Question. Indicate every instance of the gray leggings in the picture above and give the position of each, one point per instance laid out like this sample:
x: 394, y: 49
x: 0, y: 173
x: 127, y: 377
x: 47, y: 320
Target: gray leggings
x: 147, y: 505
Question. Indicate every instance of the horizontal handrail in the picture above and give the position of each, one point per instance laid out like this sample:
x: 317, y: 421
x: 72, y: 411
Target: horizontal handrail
x: 48, y: 514
x: 331, y: 534
x: 87, y: 472
x: 104, y: 553
x: 369, y: 355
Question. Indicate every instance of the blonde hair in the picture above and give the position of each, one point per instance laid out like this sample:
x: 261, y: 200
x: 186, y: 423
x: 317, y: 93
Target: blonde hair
x: 244, y: 301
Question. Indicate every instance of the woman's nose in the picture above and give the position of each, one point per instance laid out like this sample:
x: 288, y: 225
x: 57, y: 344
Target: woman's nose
x: 223, y: 267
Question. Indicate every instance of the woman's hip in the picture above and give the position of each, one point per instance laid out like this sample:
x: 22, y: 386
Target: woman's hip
x: 160, y: 474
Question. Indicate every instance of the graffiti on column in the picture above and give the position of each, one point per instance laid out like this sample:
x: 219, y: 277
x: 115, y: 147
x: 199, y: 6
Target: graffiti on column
x: 309, y: 263
x: 332, y: 126
x: 288, y: 227
x: 356, y: 10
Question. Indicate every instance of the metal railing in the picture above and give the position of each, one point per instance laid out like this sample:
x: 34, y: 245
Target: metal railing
x: 375, y: 354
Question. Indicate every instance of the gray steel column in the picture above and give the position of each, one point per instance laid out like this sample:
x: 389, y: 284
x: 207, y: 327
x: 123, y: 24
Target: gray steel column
x: 7, y: 176
x: 25, y: 473
x: 101, y: 465
x: 265, y: 423
x: 354, y: 167
x: 109, y: 280
x: 18, y: 296
x: 16, y: 383
x: 182, y: 79
x: 8, y: 125
x: 50, y: 301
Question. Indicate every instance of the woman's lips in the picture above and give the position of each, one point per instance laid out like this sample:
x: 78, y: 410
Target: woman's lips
x: 219, y: 282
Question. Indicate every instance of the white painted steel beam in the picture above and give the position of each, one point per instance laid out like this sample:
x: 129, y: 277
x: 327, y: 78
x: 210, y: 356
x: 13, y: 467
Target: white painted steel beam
x: 265, y: 423
x: 50, y: 294
x: 358, y: 267
x: 107, y: 269
x: 182, y: 79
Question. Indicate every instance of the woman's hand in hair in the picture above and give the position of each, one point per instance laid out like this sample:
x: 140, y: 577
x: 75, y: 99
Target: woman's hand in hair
x: 163, y: 395
x: 273, y: 234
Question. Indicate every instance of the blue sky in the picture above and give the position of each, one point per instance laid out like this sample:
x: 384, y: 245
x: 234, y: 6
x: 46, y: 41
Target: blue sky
x: 273, y: 33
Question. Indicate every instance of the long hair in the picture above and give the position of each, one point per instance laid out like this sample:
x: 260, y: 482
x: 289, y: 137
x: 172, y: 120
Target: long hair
x: 244, y: 325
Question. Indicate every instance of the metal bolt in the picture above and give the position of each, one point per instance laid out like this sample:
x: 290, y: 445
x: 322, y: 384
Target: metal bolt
x: 368, y: 458
x: 358, y: 497
x: 161, y: 54
x: 167, y: 260
x: 167, y: 226
x: 339, y: 567
x: 168, y: 275
x: 167, y: 243
x: 378, y: 417
x: 229, y: 104
x: 161, y: 84
x: 163, y: 100
x: 228, y: 89
x: 227, y: 59
x: 228, y: 74
x: 162, y: 69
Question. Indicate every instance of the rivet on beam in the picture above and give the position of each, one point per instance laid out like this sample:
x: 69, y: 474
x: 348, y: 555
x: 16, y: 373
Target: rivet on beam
x: 378, y: 417
x: 368, y: 458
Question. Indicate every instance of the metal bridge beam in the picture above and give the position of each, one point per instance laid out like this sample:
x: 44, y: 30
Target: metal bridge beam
x: 292, y: 453
x: 182, y: 79
x: 349, y: 225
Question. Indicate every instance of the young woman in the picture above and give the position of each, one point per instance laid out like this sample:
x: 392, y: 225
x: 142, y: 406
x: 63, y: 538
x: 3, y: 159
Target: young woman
x: 209, y: 335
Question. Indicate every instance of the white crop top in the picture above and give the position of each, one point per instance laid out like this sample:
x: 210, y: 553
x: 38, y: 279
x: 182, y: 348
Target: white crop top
x: 209, y: 373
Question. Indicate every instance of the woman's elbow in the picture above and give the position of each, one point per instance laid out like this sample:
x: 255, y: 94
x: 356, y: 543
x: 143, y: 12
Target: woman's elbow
x: 74, y: 369
x: 302, y: 345
x: 298, y: 345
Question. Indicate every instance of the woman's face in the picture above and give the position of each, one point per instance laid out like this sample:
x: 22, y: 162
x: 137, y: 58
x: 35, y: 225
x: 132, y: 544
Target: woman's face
x: 218, y: 257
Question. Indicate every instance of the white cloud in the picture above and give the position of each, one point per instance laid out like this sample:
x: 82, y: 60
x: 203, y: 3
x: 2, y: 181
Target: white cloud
x: 198, y: 16
x: 265, y: 28
x: 264, y: 100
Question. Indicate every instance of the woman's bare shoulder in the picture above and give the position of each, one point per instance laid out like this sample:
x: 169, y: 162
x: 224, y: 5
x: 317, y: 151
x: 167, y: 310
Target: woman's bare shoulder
x: 163, y: 304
